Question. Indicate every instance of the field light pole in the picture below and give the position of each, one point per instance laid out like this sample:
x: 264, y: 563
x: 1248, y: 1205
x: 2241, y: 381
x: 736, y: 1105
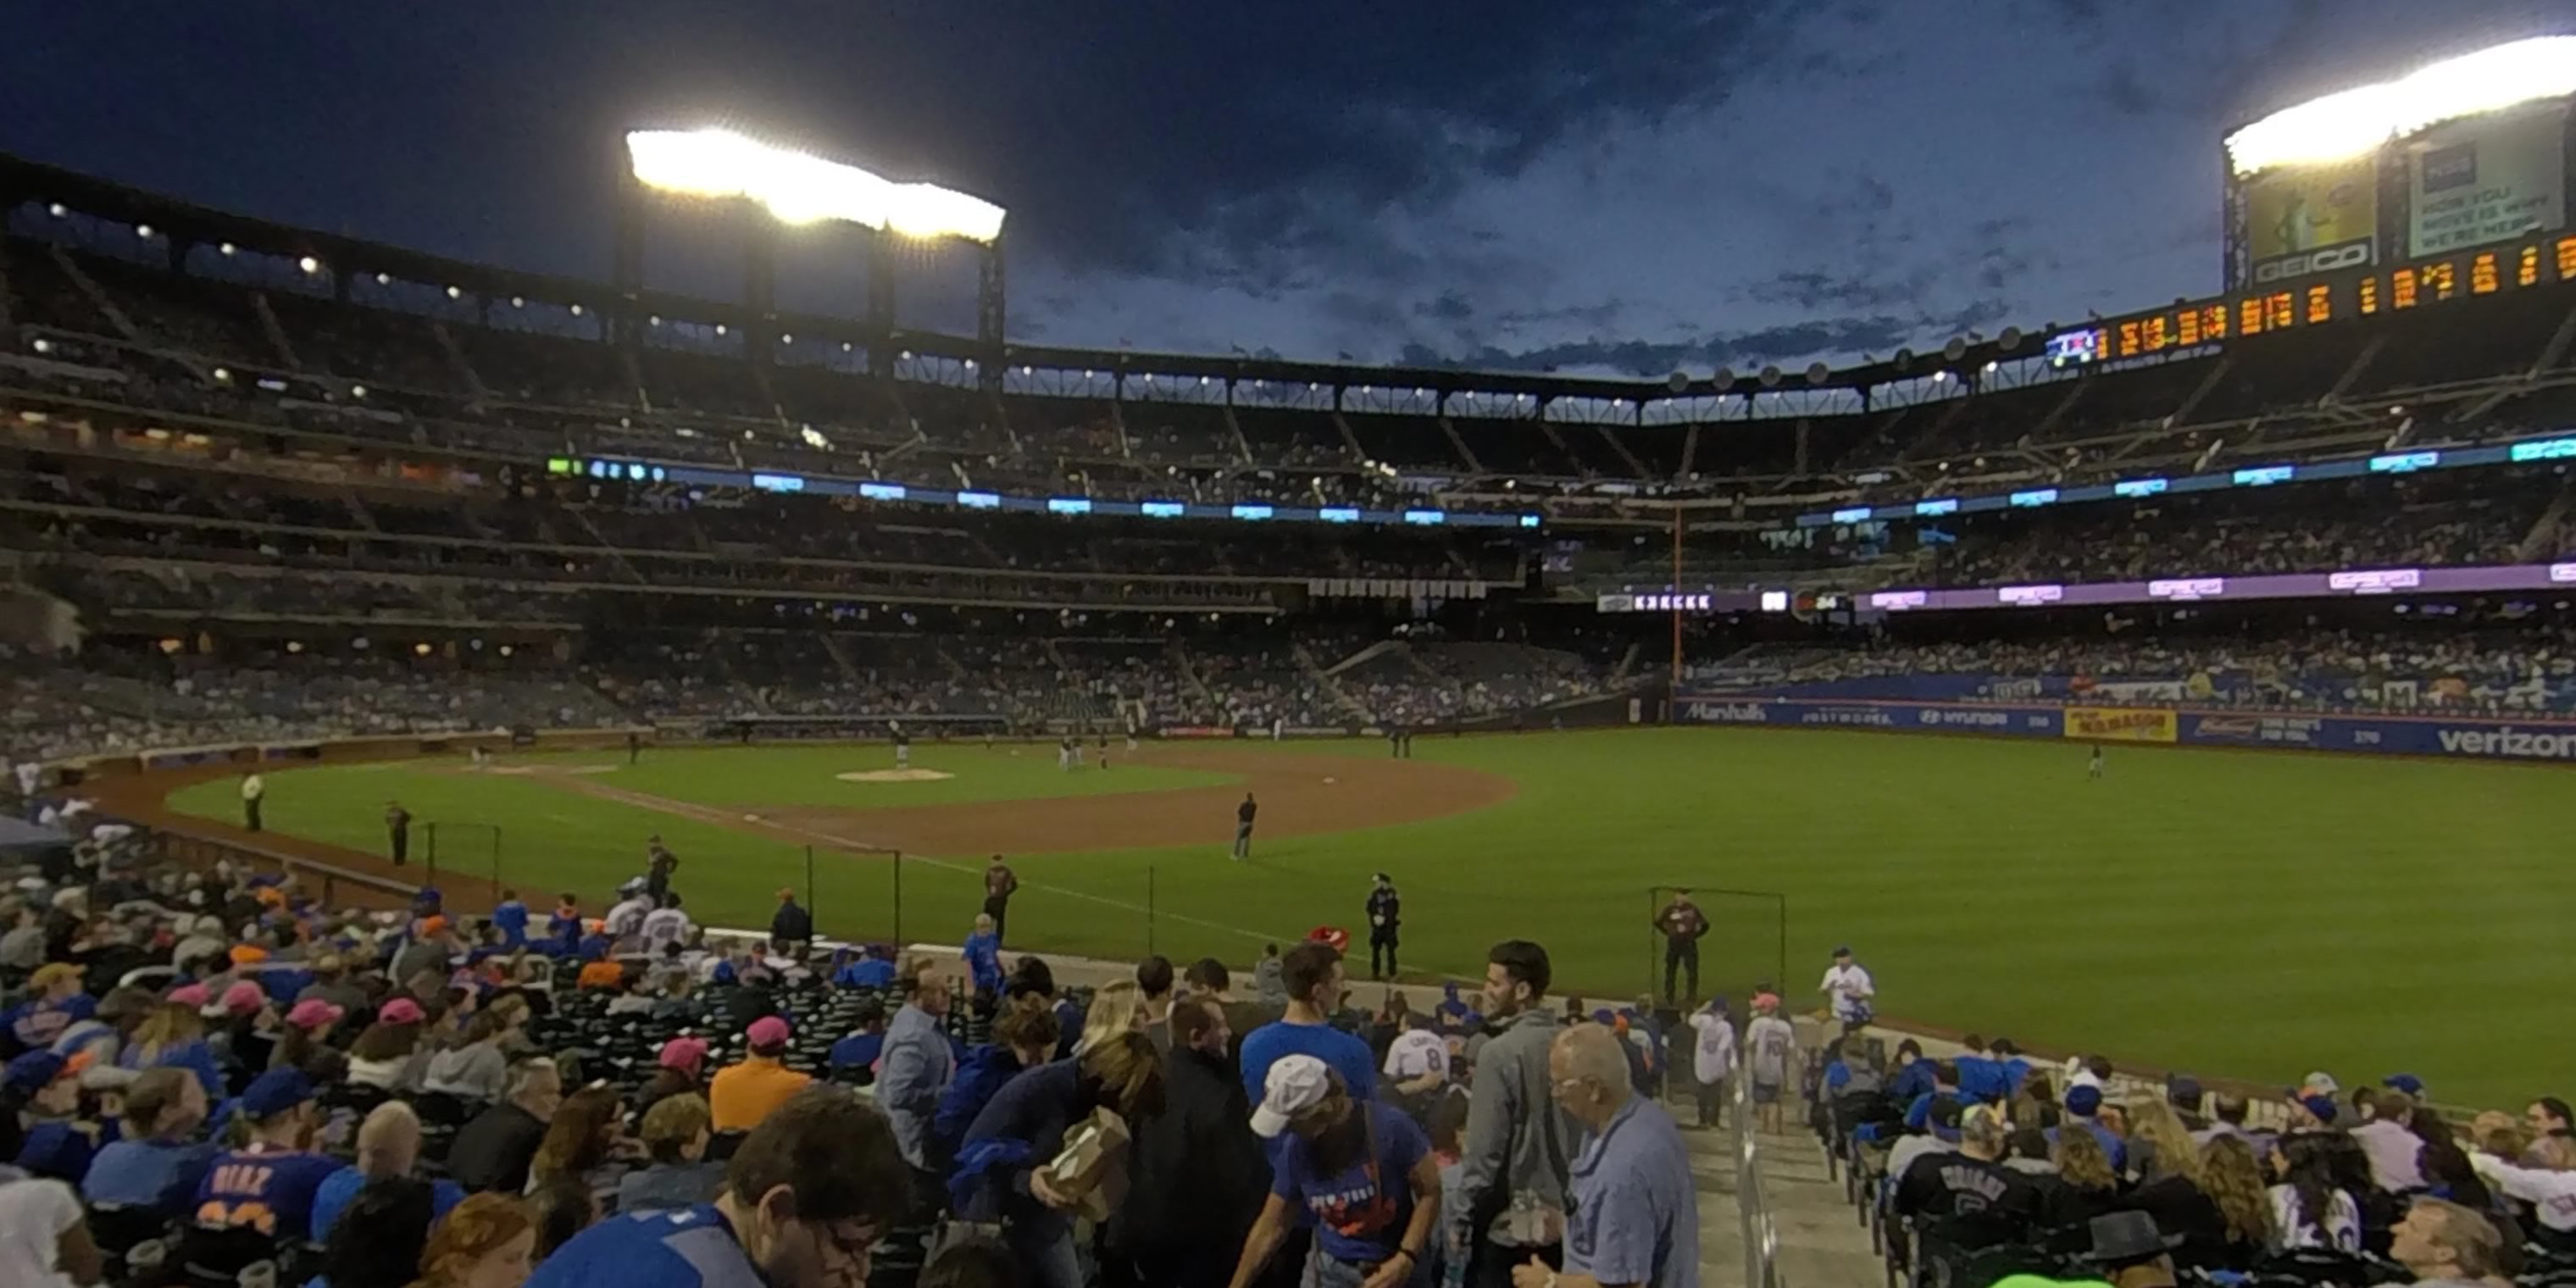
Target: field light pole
x: 798, y: 188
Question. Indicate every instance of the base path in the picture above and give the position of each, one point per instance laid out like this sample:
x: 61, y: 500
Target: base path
x: 1299, y: 795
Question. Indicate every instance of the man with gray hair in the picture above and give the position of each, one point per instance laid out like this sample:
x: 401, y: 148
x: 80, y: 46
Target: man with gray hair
x: 1635, y: 1215
x: 493, y: 1151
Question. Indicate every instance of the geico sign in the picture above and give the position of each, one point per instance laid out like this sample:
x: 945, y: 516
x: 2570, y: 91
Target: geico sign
x: 2348, y: 255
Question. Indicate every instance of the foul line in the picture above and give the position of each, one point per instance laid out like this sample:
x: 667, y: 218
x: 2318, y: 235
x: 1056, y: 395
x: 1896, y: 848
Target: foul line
x: 709, y: 814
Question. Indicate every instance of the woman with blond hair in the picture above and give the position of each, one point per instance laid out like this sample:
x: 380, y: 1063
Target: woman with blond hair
x: 1119, y: 1007
x: 583, y: 1144
x: 174, y: 1036
x: 2086, y: 1185
x: 487, y: 1241
x: 2233, y: 1179
x: 1001, y: 1172
x: 2170, y: 1186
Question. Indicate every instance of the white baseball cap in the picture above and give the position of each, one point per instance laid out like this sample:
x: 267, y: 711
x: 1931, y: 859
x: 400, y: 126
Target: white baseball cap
x: 1296, y: 1083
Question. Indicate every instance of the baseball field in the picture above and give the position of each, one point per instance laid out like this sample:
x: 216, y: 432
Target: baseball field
x: 2239, y: 914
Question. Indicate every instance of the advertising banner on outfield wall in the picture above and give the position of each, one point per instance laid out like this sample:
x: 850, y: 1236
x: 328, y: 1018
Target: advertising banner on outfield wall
x: 1912, y: 717
x: 2449, y: 736
x: 2486, y: 179
x: 2120, y: 724
x: 2306, y: 219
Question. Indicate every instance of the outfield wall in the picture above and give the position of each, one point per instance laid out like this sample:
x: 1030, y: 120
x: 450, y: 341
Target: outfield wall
x: 2450, y: 737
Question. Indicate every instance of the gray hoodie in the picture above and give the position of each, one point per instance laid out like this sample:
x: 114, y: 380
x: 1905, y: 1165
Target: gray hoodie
x: 1518, y: 1142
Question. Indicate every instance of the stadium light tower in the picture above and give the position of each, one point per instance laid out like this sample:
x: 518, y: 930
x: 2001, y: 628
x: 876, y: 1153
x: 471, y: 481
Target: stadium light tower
x: 799, y: 189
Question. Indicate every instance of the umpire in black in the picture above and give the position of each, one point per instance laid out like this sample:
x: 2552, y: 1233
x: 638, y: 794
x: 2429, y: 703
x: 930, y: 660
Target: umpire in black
x: 1385, y: 914
x: 1682, y: 924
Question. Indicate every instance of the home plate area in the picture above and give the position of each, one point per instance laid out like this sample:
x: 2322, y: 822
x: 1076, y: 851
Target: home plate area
x: 892, y: 776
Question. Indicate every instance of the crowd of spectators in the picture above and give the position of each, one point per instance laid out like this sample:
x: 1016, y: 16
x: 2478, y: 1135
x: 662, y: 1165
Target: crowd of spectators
x: 121, y: 699
x: 212, y: 1078
x: 2441, y: 664
x: 1983, y: 1164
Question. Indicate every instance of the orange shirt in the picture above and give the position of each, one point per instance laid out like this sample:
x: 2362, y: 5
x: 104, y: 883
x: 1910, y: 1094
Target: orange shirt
x: 601, y: 974
x: 743, y: 1094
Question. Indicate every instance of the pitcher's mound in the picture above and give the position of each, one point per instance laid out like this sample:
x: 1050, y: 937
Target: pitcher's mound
x: 892, y: 776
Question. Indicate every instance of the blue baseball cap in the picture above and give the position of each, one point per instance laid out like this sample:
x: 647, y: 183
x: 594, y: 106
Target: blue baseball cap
x: 2083, y: 1100
x: 275, y: 1092
x: 2320, y: 1105
x: 2406, y: 1082
x: 34, y: 1071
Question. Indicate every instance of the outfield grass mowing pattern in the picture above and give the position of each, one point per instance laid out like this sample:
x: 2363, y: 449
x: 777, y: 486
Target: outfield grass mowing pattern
x: 2231, y: 913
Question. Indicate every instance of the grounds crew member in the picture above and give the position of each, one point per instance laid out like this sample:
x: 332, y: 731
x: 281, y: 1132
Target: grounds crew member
x: 1243, y: 827
x: 398, y: 832
x: 1000, y: 883
x: 1385, y: 913
x: 1682, y: 925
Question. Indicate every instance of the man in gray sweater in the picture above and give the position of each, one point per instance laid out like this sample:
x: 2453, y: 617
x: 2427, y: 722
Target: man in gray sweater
x: 914, y: 1067
x: 1519, y: 1146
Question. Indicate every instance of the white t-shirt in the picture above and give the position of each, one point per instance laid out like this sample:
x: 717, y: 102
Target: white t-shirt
x: 627, y: 918
x: 664, y: 926
x: 1850, y: 988
x: 33, y: 1216
x: 1414, y: 1053
x: 2341, y: 1229
x: 2551, y: 1194
x: 1713, y: 1053
x: 253, y: 788
x: 1768, y: 1041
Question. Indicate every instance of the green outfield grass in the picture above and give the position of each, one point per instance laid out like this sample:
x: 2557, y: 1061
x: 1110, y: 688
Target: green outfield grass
x: 2245, y: 914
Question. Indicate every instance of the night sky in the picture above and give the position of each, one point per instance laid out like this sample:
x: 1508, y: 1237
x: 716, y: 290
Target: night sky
x: 1623, y: 186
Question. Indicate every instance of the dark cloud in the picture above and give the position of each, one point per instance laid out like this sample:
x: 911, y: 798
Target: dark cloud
x: 1785, y: 344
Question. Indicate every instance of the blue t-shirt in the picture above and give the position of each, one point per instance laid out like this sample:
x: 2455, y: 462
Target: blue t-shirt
x: 866, y: 972
x: 151, y: 1174
x: 266, y: 1190
x: 984, y: 959
x: 512, y: 918
x: 689, y: 1247
x: 56, y: 1151
x: 1359, y: 1213
x: 332, y: 1196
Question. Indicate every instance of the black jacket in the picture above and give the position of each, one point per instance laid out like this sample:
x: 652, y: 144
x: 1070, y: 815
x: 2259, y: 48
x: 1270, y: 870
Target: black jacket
x: 1196, y: 1173
x: 493, y: 1151
x: 792, y: 924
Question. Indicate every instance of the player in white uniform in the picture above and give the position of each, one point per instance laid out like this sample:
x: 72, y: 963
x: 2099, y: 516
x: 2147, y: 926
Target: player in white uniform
x: 2097, y: 760
x: 1848, y: 987
x: 1712, y: 1059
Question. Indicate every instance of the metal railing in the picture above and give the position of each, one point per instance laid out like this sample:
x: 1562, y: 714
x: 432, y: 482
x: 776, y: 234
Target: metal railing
x: 1753, y: 1208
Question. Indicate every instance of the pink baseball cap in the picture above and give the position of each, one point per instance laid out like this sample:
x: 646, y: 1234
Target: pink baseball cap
x: 684, y: 1054
x: 768, y: 1030
x: 313, y: 1013
x: 401, y: 1010
x: 244, y: 998
x: 190, y: 995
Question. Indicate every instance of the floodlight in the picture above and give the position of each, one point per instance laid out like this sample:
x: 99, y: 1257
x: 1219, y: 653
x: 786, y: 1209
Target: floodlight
x: 143, y: 231
x: 799, y: 188
x: 2354, y: 122
x: 227, y: 248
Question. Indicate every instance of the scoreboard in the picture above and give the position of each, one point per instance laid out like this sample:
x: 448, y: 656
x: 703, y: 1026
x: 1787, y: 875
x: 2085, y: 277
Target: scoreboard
x: 2320, y: 300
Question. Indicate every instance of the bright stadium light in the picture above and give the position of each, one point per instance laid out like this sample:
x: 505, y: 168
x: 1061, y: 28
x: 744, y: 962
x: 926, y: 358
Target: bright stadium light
x: 2357, y: 121
x: 803, y: 189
